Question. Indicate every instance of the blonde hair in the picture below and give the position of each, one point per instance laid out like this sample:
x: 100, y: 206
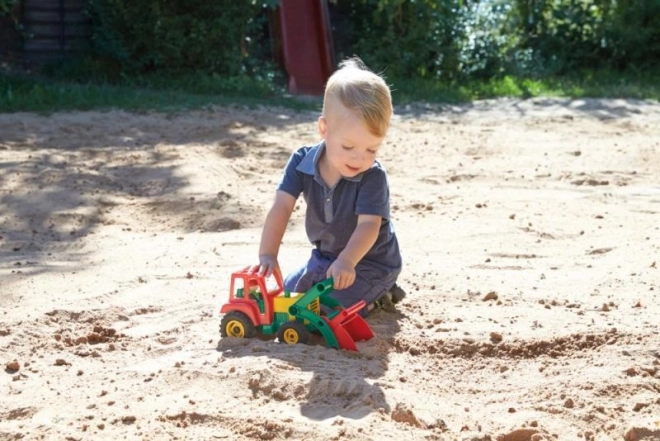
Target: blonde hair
x: 363, y: 91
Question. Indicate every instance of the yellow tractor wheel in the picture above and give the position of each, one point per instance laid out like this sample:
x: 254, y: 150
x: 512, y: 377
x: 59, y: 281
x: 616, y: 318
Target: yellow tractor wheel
x: 237, y: 324
x: 292, y: 333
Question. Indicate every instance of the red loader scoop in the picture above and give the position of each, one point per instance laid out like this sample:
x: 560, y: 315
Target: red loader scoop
x: 349, y: 326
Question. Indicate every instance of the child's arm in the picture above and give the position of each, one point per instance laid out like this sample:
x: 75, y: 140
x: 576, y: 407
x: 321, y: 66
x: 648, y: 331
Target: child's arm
x: 273, y: 232
x: 363, y: 238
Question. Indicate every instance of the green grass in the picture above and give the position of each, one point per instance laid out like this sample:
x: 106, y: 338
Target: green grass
x: 21, y: 92
x: 40, y: 94
x: 582, y: 85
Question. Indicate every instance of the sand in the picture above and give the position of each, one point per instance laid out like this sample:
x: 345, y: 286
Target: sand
x: 531, y: 237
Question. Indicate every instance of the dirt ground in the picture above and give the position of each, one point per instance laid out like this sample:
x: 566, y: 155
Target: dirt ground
x: 531, y: 237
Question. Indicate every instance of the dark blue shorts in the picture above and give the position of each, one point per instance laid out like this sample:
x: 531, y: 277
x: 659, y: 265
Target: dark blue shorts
x: 370, y: 284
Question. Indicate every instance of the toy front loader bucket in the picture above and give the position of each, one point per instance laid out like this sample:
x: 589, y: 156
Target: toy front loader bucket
x: 349, y: 326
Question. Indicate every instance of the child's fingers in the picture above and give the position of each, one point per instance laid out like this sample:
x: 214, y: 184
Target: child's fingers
x: 342, y: 281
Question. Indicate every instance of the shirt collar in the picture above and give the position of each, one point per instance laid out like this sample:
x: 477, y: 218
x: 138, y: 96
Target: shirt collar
x: 310, y: 163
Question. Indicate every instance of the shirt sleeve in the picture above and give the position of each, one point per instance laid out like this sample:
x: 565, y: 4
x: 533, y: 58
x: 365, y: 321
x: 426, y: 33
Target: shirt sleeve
x: 292, y: 180
x: 374, y: 194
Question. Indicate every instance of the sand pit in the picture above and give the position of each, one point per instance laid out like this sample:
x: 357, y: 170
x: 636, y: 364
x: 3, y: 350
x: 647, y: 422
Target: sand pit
x: 531, y: 237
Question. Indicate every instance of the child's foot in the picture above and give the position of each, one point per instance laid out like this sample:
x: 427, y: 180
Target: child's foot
x: 396, y: 294
x: 385, y: 303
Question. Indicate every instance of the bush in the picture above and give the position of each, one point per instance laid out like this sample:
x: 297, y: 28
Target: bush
x: 572, y: 35
x: 476, y: 39
x: 633, y: 35
x: 143, y: 36
x: 400, y: 37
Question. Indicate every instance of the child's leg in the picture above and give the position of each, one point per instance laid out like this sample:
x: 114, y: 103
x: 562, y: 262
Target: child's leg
x: 314, y: 271
x: 361, y: 289
x: 370, y: 285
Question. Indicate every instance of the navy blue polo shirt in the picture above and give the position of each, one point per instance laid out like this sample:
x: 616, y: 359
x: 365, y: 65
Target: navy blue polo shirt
x: 332, y: 213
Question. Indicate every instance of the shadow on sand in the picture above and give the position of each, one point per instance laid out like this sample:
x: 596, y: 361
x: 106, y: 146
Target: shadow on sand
x: 63, y: 176
x: 343, y: 383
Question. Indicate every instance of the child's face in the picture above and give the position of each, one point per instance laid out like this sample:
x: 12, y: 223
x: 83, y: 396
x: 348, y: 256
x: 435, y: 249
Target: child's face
x: 350, y: 147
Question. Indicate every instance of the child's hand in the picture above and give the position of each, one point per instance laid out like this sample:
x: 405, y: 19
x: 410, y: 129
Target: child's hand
x: 268, y: 265
x: 342, y: 273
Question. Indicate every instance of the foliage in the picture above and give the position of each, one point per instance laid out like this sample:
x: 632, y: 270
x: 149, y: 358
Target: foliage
x: 634, y: 35
x: 446, y: 40
x: 563, y: 33
x: 143, y: 36
x: 7, y: 7
x: 401, y: 37
x: 469, y: 39
x: 569, y: 35
x: 487, y: 39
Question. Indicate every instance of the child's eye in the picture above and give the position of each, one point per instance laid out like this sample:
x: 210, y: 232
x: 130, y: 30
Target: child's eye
x: 345, y: 147
x: 373, y: 152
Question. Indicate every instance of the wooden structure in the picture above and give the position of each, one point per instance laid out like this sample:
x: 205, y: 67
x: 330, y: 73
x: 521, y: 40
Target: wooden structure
x: 52, y: 30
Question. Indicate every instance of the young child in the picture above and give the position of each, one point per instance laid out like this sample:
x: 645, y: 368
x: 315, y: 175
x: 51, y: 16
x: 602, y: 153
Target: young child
x: 347, y: 195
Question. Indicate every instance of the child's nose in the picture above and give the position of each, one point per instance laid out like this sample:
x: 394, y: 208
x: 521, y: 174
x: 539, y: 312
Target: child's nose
x: 361, y: 156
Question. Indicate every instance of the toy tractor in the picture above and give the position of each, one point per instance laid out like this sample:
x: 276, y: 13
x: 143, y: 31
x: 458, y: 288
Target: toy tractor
x: 293, y: 317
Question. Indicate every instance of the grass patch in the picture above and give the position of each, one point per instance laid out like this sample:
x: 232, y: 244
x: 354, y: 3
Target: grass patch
x: 22, y: 92
x: 26, y: 94
x: 578, y: 85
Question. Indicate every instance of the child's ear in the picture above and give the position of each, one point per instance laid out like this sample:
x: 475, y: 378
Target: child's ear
x: 323, y: 126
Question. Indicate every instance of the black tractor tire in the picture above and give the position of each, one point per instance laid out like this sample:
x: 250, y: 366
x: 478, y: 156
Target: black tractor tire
x: 237, y: 324
x: 292, y: 333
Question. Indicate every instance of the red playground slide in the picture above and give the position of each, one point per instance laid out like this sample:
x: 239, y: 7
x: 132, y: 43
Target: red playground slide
x: 307, y: 50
